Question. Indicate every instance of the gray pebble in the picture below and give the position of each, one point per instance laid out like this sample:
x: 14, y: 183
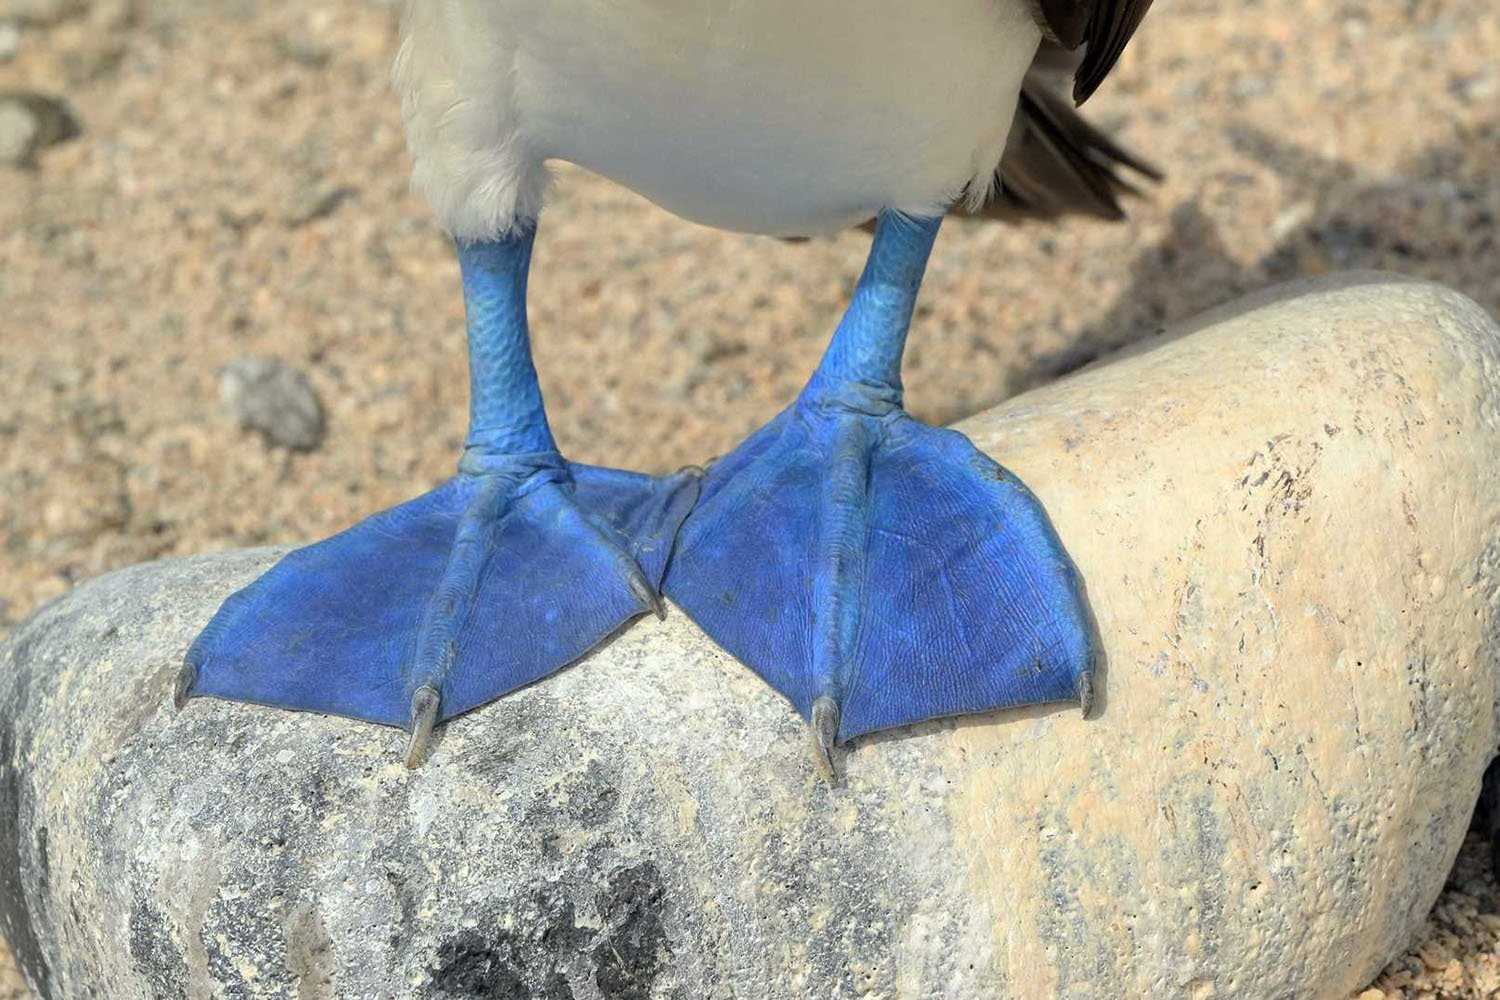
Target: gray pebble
x: 274, y: 399
x: 312, y: 200
x: 29, y: 123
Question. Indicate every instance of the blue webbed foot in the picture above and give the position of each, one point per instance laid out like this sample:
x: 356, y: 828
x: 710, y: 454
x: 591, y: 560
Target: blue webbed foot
x: 876, y: 571
x: 493, y: 580
x: 879, y: 572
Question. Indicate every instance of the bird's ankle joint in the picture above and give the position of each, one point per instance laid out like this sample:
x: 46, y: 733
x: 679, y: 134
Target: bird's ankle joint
x: 850, y: 397
x: 523, y: 469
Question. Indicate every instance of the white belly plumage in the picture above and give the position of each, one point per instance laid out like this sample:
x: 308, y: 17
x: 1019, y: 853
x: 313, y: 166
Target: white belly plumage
x: 771, y: 116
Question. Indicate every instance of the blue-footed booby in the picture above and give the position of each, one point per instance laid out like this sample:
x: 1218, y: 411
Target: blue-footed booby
x: 874, y: 570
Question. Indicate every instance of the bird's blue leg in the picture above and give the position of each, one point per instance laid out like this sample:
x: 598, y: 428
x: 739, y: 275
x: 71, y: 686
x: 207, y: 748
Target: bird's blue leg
x: 874, y: 570
x: 505, y: 573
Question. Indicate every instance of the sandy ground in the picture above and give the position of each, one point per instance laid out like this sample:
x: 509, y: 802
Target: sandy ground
x: 239, y: 190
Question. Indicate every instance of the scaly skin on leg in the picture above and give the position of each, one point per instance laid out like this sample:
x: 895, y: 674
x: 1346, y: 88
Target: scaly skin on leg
x: 874, y: 570
x: 502, y: 575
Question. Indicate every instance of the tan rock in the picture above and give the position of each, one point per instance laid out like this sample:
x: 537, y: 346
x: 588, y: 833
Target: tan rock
x: 1287, y: 522
x: 1286, y: 518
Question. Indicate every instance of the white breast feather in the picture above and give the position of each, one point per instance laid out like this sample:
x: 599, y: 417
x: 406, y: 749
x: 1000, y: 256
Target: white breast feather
x: 789, y: 117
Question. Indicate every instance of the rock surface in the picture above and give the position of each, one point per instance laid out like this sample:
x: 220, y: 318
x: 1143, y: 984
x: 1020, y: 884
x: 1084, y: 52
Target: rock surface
x: 1287, y: 519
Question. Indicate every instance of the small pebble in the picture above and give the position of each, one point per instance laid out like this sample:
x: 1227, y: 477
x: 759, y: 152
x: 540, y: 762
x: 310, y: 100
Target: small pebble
x: 29, y: 123
x: 10, y: 40
x: 18, y: 134
x: 304, y: 50
x: 274, y: 399
x: 314, y: 200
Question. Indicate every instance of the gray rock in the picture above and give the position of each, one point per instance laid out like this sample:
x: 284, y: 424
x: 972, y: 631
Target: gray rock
x: 1289, y: 522
x: 312, y: 199
x: 268, y: 396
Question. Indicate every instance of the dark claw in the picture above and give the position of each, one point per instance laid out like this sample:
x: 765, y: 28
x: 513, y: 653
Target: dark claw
x: 825, y: 730
x: 647, y: 595
x: 1086, y: 693
x: 182, y: 690
x: 424, y: 713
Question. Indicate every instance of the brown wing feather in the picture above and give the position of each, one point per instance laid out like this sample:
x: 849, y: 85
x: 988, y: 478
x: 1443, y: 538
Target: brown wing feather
x: 1104, y: 27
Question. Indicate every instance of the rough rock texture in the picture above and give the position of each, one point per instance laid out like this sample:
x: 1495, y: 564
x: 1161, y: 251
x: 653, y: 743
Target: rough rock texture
x: 1289, y: 523
x: 1291, y: 149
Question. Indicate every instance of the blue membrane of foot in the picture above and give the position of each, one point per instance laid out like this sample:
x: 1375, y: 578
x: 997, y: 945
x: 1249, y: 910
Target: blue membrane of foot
x: 848, y: 552
x: 511, y: 570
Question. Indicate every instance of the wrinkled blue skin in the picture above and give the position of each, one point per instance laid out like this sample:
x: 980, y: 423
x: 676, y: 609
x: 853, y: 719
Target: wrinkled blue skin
x: 502, y: 575
x: 848, y: 553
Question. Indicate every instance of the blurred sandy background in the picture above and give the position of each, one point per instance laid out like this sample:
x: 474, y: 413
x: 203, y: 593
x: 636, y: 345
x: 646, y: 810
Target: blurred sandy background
x: 236, y: 190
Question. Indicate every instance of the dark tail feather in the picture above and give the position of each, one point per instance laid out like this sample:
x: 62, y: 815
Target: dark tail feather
x: 1058, y: 164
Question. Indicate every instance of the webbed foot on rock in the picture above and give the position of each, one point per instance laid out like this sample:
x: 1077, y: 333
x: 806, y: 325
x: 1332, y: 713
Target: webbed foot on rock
x: 494, y: 580
x: 874, y: 570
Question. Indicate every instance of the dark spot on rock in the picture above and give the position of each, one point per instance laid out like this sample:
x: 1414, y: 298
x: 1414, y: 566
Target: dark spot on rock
x: 556, y: 988
x: 549, y: 846
x: 157, y: 956
x: 629, y: 957
x: 469, y: 966
x: 313, y: 792
x: 514, y: 732
x: 406, y: 904
x: 561, y: 934
x: 593, y: 799
x: 43, y: 862
x: 527, y: 963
